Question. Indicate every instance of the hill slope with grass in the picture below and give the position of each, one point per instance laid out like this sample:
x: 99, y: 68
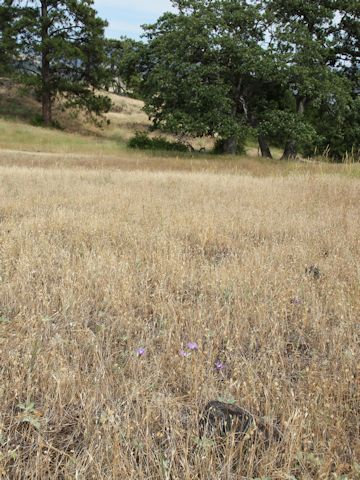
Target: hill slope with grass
x: 125, y: 118
x: 78, y: 142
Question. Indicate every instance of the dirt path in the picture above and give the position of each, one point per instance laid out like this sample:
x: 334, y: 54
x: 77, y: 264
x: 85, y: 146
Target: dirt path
x: 48, y: 154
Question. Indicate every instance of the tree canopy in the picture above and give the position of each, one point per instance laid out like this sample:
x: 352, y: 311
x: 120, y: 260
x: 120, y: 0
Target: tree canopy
x: 7, y: 36
x: 59, y: 48
x: 282, y: 70
x: 201, y: 69
x: 122, y: 65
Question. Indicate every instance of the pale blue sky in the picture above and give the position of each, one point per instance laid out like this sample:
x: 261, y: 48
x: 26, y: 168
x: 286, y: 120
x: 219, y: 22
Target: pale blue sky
x: 126, y: 16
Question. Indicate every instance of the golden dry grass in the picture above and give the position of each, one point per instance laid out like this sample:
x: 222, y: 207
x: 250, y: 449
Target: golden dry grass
x: 97, y: 262
x: 108, y: 157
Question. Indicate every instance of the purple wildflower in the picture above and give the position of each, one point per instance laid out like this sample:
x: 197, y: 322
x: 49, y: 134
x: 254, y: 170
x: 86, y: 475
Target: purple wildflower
x: 140, y: 352
x: 184, y: 354
x: 193, y: 346
x: 219, y: 365
x: 296, y: 301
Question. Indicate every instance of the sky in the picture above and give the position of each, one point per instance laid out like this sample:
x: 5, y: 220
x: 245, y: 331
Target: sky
x: 126, y: 16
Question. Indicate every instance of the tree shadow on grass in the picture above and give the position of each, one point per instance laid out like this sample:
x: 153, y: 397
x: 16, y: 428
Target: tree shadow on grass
x: 18, y: 103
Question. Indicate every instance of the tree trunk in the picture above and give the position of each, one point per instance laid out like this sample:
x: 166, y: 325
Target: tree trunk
x: 290, y: 150
x: 264, y: 147
x: 46, y: 107
x: 45, y: 66
x: 230, y: 146
x: 300, y: 105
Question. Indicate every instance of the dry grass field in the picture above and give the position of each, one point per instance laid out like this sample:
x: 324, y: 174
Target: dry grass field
x: 112, y: 261
x: 98, y: 263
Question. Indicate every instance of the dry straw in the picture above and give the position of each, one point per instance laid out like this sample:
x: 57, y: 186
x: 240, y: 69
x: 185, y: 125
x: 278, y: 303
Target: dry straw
x: 106, y: 275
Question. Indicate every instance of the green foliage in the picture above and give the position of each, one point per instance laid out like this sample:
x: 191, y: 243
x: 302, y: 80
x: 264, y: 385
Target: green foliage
x: 338, y: 131
x: 347, y: 38
x: 142, y: 141
x: 60, y: 50
x: 306, y: 39
x: 286, y: 71
x: 89, y: 102
x: 210, y: 69
x: 38, y: 121
x: 200, y: 65
x: 122, y: 66
x: 7, y: 36
x: 281, y: 125
x: 29, y: 414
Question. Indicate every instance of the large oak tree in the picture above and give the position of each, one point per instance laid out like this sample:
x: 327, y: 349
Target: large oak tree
x: 203, y: 68
x: 306, y: 42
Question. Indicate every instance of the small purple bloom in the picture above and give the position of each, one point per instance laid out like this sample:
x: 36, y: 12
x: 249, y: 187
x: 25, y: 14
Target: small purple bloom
x: 184, y: 354
x: 296, y: 301
x: 219, y: 365
x: 140, y: 352
x: 193, y: 346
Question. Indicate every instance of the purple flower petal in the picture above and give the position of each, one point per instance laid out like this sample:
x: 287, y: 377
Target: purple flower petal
x: 140, y: 352
x: 184, y: 354
x: 219, y: 365
x: 193, y: 346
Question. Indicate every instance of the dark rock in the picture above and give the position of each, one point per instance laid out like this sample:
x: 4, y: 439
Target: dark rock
x: 313, y: 271
x: 220, y: 419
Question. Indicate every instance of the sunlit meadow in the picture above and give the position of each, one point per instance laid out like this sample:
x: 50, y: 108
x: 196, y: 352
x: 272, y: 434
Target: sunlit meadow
x: 131, y: 298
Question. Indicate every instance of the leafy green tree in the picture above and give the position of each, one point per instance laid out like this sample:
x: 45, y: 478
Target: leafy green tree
x: 303, y: 37
x: 249, y: 67
x: 61, y: 47
x: 183, y: 88
x: 203, y: 67
x: 347, y: 38
x: 346, y: 139
x: 318, y: 45
x: 122, y: 64
x: 287, y: 70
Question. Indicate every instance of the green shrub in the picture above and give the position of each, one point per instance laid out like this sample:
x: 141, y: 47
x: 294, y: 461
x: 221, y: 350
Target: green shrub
x: 142, y: 141
x: 37, y: 121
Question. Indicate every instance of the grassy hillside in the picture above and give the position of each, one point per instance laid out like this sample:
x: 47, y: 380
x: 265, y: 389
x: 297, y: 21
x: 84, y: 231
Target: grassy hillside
x: 112, y: 261
x: 19, y: 111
